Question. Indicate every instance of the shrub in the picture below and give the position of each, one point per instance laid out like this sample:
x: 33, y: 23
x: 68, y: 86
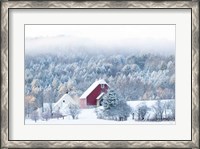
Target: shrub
x: 74, y: 111
x: 35, y: 115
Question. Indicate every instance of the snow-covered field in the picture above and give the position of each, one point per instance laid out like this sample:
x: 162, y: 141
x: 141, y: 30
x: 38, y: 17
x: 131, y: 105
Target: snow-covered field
x: 88, y: 116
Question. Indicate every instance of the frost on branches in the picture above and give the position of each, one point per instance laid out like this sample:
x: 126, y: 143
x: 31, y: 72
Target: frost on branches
x: 110, y: 100
x: 114, y: 108
x: 35, y: 116
x: 74, y: 110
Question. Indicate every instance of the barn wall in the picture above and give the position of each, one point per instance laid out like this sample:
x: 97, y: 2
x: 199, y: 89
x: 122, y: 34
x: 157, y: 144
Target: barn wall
x: 83, y: 103
x: 91, y: 99
x: 105, y: 89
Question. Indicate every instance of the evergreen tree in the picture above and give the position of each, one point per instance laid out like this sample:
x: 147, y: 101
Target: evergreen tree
x: 110, y: 100
x: 115, y: 108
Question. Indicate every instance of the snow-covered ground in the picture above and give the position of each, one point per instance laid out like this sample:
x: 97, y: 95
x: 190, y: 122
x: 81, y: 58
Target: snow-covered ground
x: 88, y: 116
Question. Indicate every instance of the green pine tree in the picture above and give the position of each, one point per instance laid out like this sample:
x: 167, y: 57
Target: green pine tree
x: 114, y: 107
x: 110, y: 100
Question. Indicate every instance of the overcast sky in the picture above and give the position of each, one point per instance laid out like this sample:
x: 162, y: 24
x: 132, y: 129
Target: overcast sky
x: 142, y: 37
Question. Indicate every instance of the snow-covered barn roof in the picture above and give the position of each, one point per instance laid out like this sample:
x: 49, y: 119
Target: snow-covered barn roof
x: 92, y: 87
x: 100, y: 95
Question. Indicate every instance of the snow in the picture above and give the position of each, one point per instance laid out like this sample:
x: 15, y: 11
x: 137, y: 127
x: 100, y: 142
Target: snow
x: 100, y: 95
x: 88, y: 116
x: 92, y: 87
x: 149, y: 103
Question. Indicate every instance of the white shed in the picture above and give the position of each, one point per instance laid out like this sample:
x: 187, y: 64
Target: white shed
x: 62, y: 105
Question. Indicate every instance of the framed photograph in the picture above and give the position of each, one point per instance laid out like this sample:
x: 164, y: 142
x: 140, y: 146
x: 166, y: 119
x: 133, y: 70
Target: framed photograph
x: 99, y: 74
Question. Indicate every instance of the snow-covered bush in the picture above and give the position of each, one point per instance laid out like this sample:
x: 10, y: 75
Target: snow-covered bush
x: 35, y: 116
x: 150, y: 115
x: 74, y: 110
x: 99, y: 112
x: 46, y: 115
x: 57, y: 115
x: 141, y: 112
x: 121, y: 111
x: 160, y: 110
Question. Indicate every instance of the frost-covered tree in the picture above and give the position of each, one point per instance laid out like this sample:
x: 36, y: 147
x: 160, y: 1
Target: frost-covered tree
x: 29, y: 105
x: 46, y: 115
x: 130, y: 88
x: 74, y: 110
x: 172, y: 108
x: 110, y: 100
x: 70, y: 85
x: 54, y: 83
x: 37, y: 92
x: 123, y: 110
x: 141, y: 111
x: 159, y: 109
x: 134, y: 76
x: 35, y: 115
x: 49, y: 97
x: 130, y: 68
x: 115, y: 108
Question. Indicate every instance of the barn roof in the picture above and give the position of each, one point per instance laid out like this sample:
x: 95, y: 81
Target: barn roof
x: 100, y: 95
x: 92, y: 87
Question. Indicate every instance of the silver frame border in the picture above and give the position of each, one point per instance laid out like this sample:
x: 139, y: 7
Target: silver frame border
x: 6, y: 143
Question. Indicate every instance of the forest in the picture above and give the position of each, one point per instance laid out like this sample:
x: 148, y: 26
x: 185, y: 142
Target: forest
x: 143, y: 76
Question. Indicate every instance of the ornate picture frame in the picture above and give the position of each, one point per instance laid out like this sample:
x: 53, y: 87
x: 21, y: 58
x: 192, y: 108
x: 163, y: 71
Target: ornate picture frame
x: 7, y: 6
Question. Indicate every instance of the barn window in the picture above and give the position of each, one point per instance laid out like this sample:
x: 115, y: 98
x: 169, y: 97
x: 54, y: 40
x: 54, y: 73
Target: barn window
x: 102, y: 85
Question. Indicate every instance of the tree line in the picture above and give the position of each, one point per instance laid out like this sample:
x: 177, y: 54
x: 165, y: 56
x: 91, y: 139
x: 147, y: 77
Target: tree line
x: 133, y: 77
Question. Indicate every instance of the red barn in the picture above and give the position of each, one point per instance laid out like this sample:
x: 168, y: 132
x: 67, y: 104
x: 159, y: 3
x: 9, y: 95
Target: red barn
x: 93, y: 95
